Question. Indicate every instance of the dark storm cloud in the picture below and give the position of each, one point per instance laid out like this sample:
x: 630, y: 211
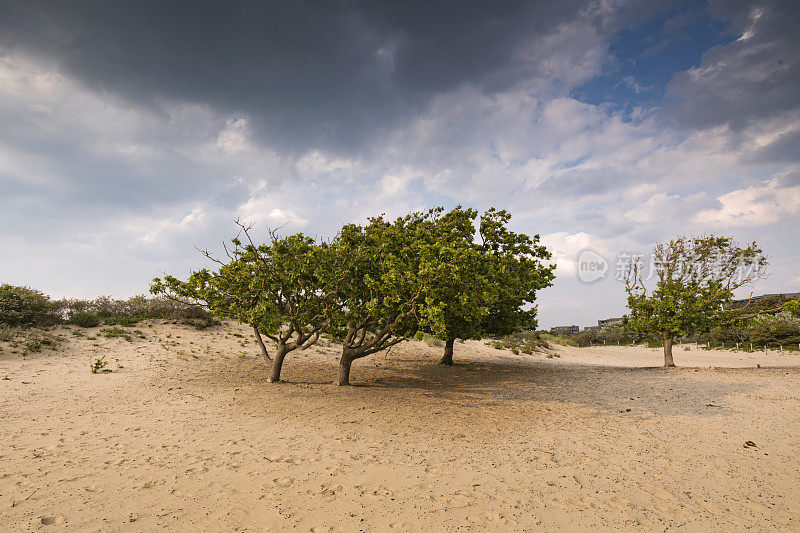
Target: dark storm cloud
x: 755, y: 77
x: 784, y: 149
x: 308, y: 74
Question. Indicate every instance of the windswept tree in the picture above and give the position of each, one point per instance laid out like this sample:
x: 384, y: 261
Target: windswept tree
x: 695, y: 278
x: 389, y: 292
x: 285, y: 289
x: 500, y: 284
x: 519, y: 273
x: 464, y: 293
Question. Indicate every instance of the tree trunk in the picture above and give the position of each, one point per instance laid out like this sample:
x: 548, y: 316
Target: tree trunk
x: 261, y: 343
x: 447, y: 359
x: 344, y: 369
x: 668, y: 352
x: 275, y: 374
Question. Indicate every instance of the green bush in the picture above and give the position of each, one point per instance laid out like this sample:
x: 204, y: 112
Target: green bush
x: 526, y: 342
x: 84, y: 319
x: 563, y: 340
x: 614, y: 334
x: 123, y: 320
x: 129, y: 312
x: 774, y: 331
x: 26, y: 307
x: 201, y: 323
x: 23, y: 306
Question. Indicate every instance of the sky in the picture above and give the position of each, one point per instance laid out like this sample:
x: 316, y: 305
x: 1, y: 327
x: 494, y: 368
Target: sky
x: 132, y: 133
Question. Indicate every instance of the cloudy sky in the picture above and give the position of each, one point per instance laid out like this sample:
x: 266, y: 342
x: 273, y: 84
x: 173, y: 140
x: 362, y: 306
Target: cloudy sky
x: 132, y: 131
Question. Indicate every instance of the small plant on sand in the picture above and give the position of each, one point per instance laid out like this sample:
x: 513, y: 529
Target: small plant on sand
x: 428, y: 339
x: 99, y: 366
x: 114, y: 332
x: 7, y: 333
x: 35, y: 340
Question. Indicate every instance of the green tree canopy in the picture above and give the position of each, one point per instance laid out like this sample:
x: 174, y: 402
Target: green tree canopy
x: 375, y: 285
x: 694, y: 280
x: 285, y: 289
x: 388, y: 292
x: 493, y: 285
x: 518, y: 273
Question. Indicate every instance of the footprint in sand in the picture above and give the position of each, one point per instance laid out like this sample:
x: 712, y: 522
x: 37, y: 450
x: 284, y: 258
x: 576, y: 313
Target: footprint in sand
x: 470, y: 493
x: 320, y: 529
x: 329, y: 489
x: 284, y: 481
x: 379, y: 492
x: 52, y: 520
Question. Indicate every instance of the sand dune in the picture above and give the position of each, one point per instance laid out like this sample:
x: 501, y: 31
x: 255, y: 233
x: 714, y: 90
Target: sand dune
x: 186, y: 434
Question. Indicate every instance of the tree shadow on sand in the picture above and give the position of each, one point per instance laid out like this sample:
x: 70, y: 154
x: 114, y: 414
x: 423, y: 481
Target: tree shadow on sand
x: 514, y: 383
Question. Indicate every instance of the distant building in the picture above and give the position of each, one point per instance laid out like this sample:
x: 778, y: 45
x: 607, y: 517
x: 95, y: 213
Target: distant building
x: 565, y: 330
x: 606, y: 321
x: 591, y: 328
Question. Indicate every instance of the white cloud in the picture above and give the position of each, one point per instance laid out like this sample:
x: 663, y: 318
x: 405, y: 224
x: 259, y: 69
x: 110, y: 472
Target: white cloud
x: 271, y: 209
x: 662, y: 205
x: 234, y: 138
x: 758, y: 205
x: 756, y: 14
x: 150, y: 230
x: 566, y: 247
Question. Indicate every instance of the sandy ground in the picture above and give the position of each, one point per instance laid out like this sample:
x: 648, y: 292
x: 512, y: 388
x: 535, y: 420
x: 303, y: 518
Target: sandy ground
x: 186, y: 434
